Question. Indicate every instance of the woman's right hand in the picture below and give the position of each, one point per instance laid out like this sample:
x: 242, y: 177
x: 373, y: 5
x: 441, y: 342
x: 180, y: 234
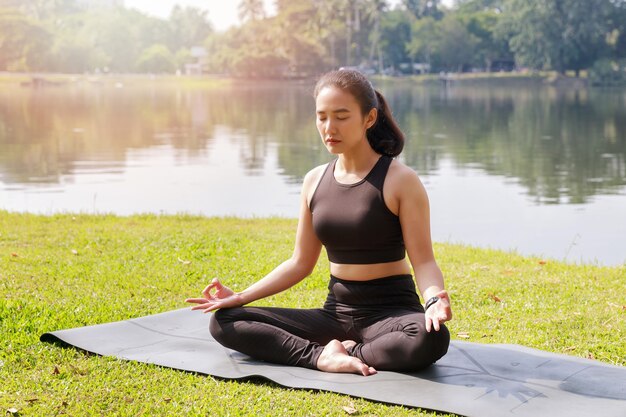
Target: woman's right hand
x: 223, y: 297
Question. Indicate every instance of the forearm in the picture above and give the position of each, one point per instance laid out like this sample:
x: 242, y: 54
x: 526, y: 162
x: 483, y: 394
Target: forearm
x: 429, y: 279
x: 284, y: 276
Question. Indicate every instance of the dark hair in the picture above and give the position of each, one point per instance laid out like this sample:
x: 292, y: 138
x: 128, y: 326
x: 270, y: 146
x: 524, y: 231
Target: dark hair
x: 385, y: 137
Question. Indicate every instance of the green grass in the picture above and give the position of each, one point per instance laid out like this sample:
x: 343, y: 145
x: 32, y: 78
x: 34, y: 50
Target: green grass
x: 65, y: 271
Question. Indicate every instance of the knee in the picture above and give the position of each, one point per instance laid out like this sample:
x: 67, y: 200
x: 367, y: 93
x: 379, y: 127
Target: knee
x: 429, y: 347
x: 215, y: 328
x: 219, y: 323
x: 439, y: 342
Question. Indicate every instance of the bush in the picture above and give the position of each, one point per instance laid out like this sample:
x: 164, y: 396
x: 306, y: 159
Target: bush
x: 156, y: 59
x: 606, y: 72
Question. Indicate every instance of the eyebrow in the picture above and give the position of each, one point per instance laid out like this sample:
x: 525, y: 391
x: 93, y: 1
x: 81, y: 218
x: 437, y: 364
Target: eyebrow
x: 341, y: 110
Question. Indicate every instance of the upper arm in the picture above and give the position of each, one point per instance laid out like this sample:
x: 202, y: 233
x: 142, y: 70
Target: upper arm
x: 414, y: 213
x: 406, y: 196
x: 307, y: 247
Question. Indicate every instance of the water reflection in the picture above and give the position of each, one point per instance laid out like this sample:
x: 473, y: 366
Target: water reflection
x: 243, y: 151
x: 561, y: 146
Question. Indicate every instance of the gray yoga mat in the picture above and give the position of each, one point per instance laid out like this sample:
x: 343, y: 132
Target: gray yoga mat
x: 471, y: 380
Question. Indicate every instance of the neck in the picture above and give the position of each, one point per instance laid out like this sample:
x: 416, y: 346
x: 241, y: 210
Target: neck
x: 358, y: 160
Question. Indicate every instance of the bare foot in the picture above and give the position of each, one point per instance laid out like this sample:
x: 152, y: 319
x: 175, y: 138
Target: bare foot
x: 348, y: 344
x: 335, y: 358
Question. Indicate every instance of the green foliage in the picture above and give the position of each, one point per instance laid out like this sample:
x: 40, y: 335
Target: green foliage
x: 425, y: 36
x: 189, y: 27
x: 156, y: 59
x: 423, y: 8
x: 457, y: 46
x: 482, y: 24
x: 76, y: 40
x: 251, y: 10
x: 560, y: 35
x: 606, y: 72
x: 66, y: 271
x: 395, y: 37
x: 306, y: 37
x: 445, y: 44
x: 22, y: 40
x: 473, y: 6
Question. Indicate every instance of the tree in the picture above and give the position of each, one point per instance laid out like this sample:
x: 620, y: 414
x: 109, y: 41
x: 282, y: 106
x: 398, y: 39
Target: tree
x: 395, y: 29
x: 456, y: 48
x: 189, y: 27
x: 22, y: 41
x: 152, y: 30
x: 560, y: 34
x: 41, y: 9
x: 425, y: 38
x: 251, y: 10
x: 472, y: 6
x: 327, y: 27
x: 374, y: 10
x: 617, y: 38
x: 423, y: 8
x: 489, y: 48
x: 296, y: 36
x: 156, y: 59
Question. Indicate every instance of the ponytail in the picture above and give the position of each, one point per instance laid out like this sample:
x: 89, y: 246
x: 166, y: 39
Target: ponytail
x: 384, y: 136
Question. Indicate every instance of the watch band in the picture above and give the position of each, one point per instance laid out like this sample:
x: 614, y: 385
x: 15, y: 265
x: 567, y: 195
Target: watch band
x: 430, y: 302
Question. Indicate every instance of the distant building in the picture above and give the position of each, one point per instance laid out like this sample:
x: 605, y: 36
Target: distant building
x: 199, y: 59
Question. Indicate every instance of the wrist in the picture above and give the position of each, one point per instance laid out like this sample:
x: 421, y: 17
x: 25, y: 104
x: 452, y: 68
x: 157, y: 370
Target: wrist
x: 241, y: 298
x: 430, y: 302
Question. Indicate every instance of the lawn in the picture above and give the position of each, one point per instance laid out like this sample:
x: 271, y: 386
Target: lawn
x: 67, y: 270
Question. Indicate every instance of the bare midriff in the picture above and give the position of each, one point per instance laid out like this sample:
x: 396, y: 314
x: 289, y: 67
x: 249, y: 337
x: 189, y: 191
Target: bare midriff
x: 366, y: 272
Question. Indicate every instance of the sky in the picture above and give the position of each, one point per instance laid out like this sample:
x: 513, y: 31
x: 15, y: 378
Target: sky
x: 222, y: 13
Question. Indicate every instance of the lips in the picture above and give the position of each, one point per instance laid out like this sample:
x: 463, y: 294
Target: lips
x: 332, y: 141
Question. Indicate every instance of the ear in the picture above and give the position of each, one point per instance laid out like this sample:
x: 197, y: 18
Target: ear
x: 371, y: 118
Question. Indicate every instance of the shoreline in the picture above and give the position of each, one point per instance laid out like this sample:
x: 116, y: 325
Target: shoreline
x: 464, y: 246
x: 46, y: 80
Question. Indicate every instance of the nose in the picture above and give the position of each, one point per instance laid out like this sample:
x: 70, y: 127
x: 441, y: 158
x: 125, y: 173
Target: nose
x: 329, y: 126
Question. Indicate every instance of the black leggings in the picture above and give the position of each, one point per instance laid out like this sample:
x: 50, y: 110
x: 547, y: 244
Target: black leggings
x: 384, y: 316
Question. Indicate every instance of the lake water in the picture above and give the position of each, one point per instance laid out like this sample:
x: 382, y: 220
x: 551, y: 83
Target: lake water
x: 526, y: 168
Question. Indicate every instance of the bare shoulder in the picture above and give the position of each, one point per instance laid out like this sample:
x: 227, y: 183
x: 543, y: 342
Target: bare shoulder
x: 314, y: 175
x: 311, y: 179
x: 403, y: 188
x: 402, y: 179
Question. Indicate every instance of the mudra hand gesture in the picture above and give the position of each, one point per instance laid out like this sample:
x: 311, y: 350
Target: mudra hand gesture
x: 223, y: 297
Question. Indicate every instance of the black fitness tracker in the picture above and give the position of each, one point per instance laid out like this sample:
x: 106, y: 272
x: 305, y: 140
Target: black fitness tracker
x: 430, y: 302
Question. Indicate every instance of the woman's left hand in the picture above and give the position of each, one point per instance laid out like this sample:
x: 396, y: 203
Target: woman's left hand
x: 439, y: 312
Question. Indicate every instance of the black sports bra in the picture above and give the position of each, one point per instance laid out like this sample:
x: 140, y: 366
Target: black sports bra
x: 353, y: 221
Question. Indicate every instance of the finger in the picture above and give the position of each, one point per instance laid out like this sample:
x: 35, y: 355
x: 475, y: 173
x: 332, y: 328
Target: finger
x: 210, y: 309
x: 207, y: 291
x: 217, y: 284
x: 428, y: 324
x: 436, y: 324
x: 196, y: 300
x: 203, y: 306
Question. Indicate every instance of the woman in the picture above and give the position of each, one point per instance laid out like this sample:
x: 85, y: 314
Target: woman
x: 369, y: 211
